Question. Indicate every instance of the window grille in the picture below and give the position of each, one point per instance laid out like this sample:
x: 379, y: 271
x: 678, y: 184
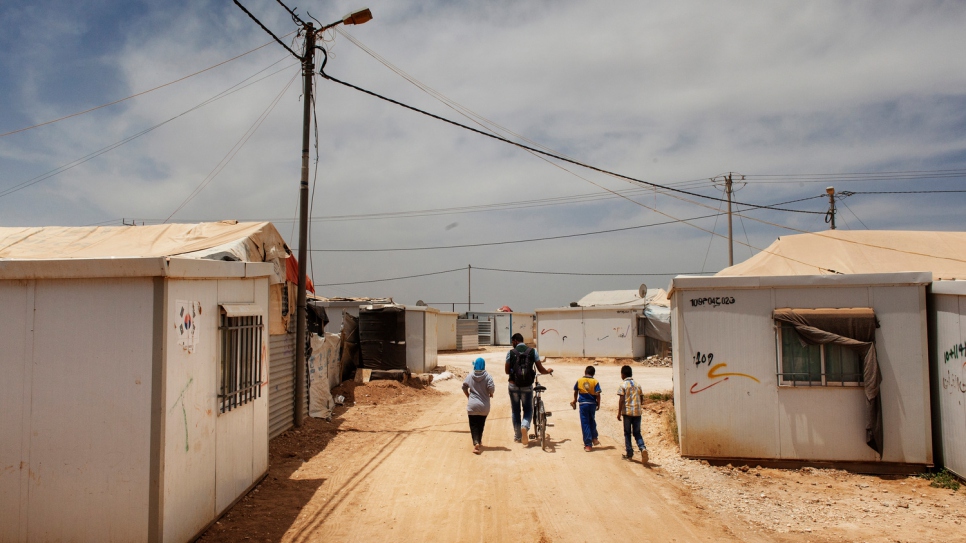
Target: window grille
x: 641, y: 325
x: 815, y: 365
x: 241, y: 360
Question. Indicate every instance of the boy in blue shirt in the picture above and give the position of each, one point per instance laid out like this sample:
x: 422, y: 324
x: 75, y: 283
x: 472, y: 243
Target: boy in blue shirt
x: 587, y: 396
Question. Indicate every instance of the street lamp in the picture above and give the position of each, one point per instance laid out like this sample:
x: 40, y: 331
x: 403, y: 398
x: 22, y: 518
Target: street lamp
x: 308, y: 72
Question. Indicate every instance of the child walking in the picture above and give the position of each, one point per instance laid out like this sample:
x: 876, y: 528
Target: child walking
x: 587, y: 396
x: 479, y: 388
x: 631, y: 398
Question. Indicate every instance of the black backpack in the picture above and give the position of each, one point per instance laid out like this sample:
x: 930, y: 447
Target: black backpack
x: 522, y: 371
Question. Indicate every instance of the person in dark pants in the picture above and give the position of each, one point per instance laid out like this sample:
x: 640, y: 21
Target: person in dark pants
x: 587, y: 395
x: 522, y: 365
x: 479, y: 388
x: 630, y: 405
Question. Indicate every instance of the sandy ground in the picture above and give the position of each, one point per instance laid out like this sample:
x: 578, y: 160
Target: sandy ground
x: 395, y: 465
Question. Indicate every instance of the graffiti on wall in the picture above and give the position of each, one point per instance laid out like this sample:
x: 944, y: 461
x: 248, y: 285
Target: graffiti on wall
x: 545, y: 330
x: 715, y: 373
x: 951, y: 381
x: 184, y: 412
x: 622, y: 332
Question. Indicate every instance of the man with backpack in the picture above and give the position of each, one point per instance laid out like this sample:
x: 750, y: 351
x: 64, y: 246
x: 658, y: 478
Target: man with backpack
x: 522, y: 363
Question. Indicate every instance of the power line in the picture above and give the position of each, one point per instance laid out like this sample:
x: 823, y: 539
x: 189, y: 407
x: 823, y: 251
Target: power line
x: 575, y: 274
x: 142, y: 93
x: 77, y: 162
x: 486, y: 244
x: 534, y: 150
x: 845, y: 193
x: 590, y: 274
x: 393, y: 278
x: 234, y: 150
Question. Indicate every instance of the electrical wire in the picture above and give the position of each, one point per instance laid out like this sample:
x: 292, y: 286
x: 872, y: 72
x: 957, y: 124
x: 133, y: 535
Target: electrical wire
x: 533, y: 272
x: 546, y: 153
x: 142, y: 93
x: 234, y: 150
x: 488, y: 244
x: 77, y: 162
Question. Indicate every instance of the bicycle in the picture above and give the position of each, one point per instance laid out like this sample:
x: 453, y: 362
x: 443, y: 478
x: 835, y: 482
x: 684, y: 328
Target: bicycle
x: 540, y: 414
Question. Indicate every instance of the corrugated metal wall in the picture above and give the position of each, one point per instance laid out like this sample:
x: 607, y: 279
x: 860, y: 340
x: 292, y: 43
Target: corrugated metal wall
x: 467, y: 334
x: 281, y: 384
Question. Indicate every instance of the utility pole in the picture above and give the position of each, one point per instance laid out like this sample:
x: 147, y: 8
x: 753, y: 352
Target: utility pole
x: 731, y: 241
x: 830, y: 216
x: 469, y: 288
x: 308, y: 73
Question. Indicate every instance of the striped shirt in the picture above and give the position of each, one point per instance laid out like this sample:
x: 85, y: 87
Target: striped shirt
x: 633, y: 396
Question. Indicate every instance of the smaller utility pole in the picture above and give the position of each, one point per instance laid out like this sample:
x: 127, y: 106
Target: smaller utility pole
x: 731, y: 241
x: 830, y: 217
x: 469, y: 288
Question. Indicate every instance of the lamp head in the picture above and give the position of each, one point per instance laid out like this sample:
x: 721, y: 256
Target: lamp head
x: 357, y: 17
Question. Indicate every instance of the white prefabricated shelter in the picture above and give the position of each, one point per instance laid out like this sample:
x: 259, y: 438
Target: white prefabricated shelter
x: 398, y: 337
x: 603, y: 324
x: 742, y: 392
x: 133, y: 394
x: 504, y: 324
x: 890, y: 273
x: 949, y: 377
x: 446, y: 330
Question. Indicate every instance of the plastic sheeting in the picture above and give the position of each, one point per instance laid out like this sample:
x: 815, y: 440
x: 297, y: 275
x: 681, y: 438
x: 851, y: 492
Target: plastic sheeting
x: 658, y: 324
x: 323, y: 368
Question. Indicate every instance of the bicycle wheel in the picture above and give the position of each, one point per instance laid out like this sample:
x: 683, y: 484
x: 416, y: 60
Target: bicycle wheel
x: 541, y: 417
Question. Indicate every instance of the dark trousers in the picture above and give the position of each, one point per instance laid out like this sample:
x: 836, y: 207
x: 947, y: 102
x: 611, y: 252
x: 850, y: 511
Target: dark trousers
x: 476, y: 428
x: 588, y: 423
x: 632, y: 425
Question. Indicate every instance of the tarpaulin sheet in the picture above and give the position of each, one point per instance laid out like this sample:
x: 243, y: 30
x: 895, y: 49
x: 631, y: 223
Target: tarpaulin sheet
x: 859, y: 251
x: 382, y: 336
x: 627, y: 298
x: 323, y: 368
x: 658, y: 323
x: 853, y: 328
x: 224, y: 240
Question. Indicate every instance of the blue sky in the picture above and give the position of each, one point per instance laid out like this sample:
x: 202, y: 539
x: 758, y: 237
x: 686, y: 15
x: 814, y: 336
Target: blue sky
x: 795, y: 96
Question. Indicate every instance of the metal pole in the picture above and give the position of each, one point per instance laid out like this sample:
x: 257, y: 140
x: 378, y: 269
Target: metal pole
x: 469, y: 288
x: 831, y: 202
x: 308, y: 71
x: 731, y: 241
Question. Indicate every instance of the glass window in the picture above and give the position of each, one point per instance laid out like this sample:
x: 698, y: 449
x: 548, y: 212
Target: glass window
x: 800, y: 362
x: 842, y: 365
x: 816, y: 365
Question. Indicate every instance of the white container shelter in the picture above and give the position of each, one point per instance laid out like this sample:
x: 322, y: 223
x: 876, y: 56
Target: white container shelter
x: 736, y: 399
x: 133, y: 395
x: 421, y: 346
x: 949, y: 352
x: 505, y: 324
x: 446, y: 331
x: 603, y: 331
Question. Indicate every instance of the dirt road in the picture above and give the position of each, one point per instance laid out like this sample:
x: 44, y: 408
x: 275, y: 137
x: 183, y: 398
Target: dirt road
x: 397, y: 466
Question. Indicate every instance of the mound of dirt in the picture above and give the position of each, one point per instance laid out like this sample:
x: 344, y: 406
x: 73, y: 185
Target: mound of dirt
x: 381, y: 392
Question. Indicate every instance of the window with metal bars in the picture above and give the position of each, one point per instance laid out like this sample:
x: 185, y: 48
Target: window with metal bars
x: 241, y: 360
x: 815, y: 365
